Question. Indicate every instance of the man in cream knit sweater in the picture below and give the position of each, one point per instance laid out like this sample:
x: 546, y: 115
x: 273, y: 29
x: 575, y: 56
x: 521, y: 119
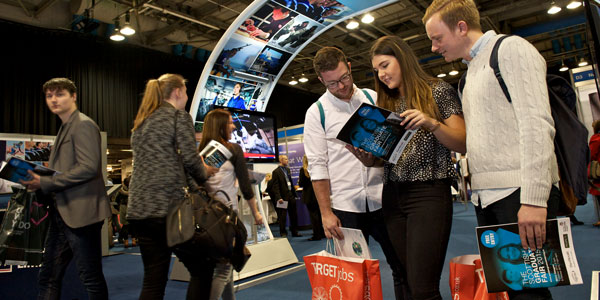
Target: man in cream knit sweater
x: 513, y: 168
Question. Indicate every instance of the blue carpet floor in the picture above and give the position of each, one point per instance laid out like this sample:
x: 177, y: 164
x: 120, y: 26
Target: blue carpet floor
x: 124, y: 272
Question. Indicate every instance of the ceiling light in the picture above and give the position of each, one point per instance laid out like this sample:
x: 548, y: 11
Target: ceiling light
x: 303, y: 79
x: 563, y: 67
x: 554, y: 8
x: 117, y: 36
x: 127, y: 29
x: 574, y: 4
x: 368, y: 18
x: 441, y: 75
x: 352, y: 25
x: 582, y: 62
x: 293, y: 81
x: 453, y: 72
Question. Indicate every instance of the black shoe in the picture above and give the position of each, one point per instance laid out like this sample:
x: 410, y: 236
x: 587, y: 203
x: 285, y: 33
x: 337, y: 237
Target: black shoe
x: 575, y: 221
x: 296, y: 234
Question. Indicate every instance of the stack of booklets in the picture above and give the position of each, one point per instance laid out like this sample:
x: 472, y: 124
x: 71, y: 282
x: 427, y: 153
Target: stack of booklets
x: 378, y: 131
x: 507, y: 266
x: 215, y: 154
x: 15, y: 169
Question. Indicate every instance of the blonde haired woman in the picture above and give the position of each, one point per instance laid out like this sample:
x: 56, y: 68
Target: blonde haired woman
x: 160, y: 127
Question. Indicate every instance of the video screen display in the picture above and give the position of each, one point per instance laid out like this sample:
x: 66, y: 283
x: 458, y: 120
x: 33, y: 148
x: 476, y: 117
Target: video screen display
x: 256, y: 133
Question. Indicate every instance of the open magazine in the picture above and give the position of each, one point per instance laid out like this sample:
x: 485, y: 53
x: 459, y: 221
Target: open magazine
x: 16, y: 169
x: 507, y: 266
x: 215, y: 154
x: 353, y: 244
x: 378, y: 131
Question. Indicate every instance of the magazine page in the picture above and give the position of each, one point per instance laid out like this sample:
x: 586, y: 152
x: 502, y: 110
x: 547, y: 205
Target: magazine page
x: 353, y: 244
x: 16, y: 169
x: 215, y: 154
x: 507, y: 266
x: 378, y: 131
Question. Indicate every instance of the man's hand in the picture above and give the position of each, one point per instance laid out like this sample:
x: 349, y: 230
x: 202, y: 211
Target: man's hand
x: 280, y: 201
x: 34, y: 183
x: 532, y: 226
x: 366, y: 158
x: 331, y: 226
x: 258, y: 219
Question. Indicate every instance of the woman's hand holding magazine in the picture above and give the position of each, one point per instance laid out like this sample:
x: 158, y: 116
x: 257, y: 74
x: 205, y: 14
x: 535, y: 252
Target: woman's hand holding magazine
x: 366, y: 158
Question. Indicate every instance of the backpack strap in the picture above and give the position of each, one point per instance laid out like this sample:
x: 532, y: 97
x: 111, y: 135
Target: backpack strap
x: 461, y: 84
x: 494, y: 65
x: 322, y: 113
x: 368, y: 96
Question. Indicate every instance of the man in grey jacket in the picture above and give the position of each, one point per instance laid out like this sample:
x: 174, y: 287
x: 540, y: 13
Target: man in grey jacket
x: 79, y: 204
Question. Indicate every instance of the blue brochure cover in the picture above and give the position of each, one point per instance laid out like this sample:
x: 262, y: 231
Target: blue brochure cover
x: 507, y: 266
x: 378, y: 131
x: 16, y: 169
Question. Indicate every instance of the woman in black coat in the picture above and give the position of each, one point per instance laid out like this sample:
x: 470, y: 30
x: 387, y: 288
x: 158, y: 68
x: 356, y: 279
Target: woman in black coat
x: 310, y: 199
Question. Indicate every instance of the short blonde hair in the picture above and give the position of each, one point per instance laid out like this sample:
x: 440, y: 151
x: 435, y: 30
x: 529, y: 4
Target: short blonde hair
x: 454, y: 11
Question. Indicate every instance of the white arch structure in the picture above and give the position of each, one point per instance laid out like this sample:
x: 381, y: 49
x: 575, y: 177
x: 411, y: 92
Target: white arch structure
x: 259, y: 45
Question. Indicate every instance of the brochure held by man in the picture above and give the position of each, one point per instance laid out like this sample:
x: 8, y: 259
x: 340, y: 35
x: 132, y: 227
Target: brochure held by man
x: 15, y: 169
x: 215, y: 154
x: 378, y: 131
x: 507, y: 266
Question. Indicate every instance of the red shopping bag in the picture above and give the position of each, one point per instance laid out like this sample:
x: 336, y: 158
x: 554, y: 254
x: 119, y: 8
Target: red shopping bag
x: 467, y: 281
x: 334, y: 277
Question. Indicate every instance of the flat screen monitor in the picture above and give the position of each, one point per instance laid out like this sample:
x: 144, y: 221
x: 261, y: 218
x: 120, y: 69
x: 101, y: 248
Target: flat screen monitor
x: 256, y: 133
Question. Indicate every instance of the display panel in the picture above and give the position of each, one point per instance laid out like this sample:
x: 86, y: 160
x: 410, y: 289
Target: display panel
x: 256, y: 133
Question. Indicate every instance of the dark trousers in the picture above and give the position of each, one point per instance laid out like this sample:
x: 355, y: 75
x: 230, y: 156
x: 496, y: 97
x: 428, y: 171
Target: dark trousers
x: 505, y: 211
x: 418, y: 216
x: 316, y: 220
x: 282, y: 216
x: 156, y: 256
x: 371, y: 224
x: 64, y: 244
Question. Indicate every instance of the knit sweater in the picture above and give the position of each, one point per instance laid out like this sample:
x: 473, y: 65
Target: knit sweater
x: 156, y: 179
x: 510, y: 144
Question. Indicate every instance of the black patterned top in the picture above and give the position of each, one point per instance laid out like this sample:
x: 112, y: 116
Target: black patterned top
x: 425, y: 158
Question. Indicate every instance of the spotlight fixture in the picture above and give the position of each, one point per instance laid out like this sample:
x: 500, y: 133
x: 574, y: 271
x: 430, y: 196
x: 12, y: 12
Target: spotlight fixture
x: 127, y: 29
x: 293, y: 81
x: 441, y: 74
x: 574, y: 4
x: 303, y: 79
x: 453, y: 72
x: 582, y: 62
x: 368, y: 18
x: 554, y: 8
x: 563, y: 67
x: 117, y: 36
x: 352, y: 25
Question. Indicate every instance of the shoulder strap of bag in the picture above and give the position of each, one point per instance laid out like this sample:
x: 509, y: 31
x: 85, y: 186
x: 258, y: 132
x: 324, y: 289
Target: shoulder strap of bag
x: 494, y: 65
x: 179, y: 158
x: 368, y: 96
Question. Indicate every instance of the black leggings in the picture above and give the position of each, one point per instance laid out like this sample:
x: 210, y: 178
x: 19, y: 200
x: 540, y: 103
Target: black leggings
x: 418, y: 216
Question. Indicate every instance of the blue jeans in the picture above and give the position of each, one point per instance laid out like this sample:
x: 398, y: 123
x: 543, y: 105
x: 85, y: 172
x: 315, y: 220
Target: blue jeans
x: 63, y: 244
x: 222, y: 283
x: 418, y: 216
x: 505, y: 211
x: 371, y: 224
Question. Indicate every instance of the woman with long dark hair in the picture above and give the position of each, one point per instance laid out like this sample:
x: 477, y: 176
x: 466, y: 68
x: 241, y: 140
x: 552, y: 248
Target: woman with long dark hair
x: 417, y: 202
x: 218, y: 126
x: 160, y: 128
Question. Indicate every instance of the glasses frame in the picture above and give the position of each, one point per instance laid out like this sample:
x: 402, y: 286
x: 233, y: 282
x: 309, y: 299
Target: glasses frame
x: 345, y: 79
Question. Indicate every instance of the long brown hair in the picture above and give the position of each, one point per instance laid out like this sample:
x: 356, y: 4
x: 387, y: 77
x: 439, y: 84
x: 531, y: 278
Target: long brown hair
x: 215, y: 128
x: 415, y: 82
x: 157, y: 90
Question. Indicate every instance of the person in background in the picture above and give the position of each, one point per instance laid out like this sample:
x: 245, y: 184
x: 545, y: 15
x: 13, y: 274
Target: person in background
x: 309, y: 198
x: 161, y: 128
x: 80, y: 204
x: 236, y: 101
x: 122, y: 199
x: 417, y: 199
x: 595, y: 155
x: 218, y: 126
x: 349, y: 194
x: 282, y: 190
x: 514, y: 172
